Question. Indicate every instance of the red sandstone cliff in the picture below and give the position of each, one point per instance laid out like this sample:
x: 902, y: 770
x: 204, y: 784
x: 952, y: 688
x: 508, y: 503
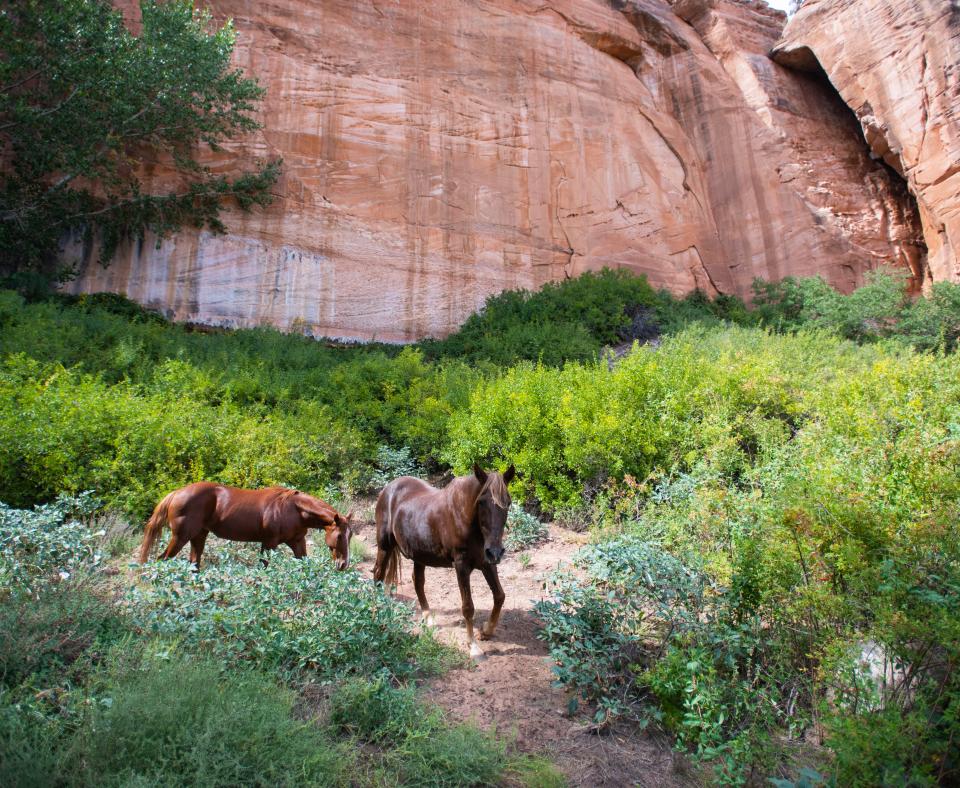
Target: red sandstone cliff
x: 437, y: 152
x: 897, y: 64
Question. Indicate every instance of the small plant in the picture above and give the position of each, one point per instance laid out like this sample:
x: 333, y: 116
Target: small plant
x: 391, y: 464
x: 165, y: 720
x: 524, y: 560
x: 47, y: 545
x: 523, y: 530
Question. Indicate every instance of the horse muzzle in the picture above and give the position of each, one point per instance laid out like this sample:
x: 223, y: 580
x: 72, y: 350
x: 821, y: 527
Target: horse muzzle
x: 341, y: 564
x: 493, y: 554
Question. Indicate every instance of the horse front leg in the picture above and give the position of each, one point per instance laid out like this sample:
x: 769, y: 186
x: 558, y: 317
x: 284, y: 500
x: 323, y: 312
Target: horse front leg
x: 418, y: 579
x: 466, y: 606
x: 299, y: 547
x: 493, y: 580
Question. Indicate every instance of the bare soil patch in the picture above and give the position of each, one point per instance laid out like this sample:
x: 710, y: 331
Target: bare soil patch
x: 511, y: 689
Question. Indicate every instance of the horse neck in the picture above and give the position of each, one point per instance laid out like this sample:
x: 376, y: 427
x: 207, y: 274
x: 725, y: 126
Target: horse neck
x: 462, y: 498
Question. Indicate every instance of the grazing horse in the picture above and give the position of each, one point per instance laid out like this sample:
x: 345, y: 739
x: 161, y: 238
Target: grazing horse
x: 459, y: 526
x: 269, y: 516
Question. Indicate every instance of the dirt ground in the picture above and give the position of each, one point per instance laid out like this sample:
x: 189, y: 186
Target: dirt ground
x: 511, y: 687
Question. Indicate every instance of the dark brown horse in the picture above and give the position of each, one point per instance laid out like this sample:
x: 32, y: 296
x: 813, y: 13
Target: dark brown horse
x: 271, y: 516
x: 459, y: 526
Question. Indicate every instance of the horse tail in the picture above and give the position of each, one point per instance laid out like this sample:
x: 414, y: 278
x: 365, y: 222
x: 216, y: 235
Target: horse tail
x: 154, y: 526
x: 391, y: 575
x: 387, y: 567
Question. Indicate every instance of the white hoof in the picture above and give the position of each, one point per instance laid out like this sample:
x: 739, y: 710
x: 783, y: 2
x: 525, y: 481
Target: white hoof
x: 476, y: 652
x: 427, y: 619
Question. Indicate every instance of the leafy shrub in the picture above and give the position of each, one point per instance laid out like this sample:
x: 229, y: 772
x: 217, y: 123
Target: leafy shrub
x: 167, y: 721
x: 815, y: 482
x: 569, y: 320
x: 646, y: 627
x: 290, y: 615
x: 41, y: 639
x: 523, y: 529
x: 700, y: 396
x: 46, y: 545
x: 425, y: 747
x: 184, y: 717
x: 392, y: 464
x: 881, y: 308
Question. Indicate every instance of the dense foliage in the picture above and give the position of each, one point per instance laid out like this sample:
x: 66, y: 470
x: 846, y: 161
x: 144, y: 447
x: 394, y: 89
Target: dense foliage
x: 92, y: 399
x: 773, y: 491
x: 85, y: 103
x: 290, y: 615
x: 881, y: 309
x: 565, y: 320
x: 182, y: 684
x: 798, y: 562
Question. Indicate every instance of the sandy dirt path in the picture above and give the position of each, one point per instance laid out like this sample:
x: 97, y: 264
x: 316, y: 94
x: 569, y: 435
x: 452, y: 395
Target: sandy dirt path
x: 511, y: 688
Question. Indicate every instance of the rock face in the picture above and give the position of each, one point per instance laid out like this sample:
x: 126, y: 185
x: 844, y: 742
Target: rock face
x: 438, y: 151
x: 897, y: 64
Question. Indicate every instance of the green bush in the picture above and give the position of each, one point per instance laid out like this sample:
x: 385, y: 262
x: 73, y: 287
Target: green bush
x: 47, y: 545
x: 185, y: 722
x: 700, y: 397
x: 144, y: 720
x: 523, y: 530
x: 290, y: 615
x: 880, y: 309
x: 814, y: 482
x: 425, y: 748
x: 569, y: 320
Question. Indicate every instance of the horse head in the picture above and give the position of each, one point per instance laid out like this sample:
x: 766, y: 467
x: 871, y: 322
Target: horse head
x: 338, y: 539
x: 336, y: 528
x: 493, y: 503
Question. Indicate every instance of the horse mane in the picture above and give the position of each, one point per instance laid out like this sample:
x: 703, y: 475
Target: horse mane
x: 277, y: 505
x: 284, y: 494
x: 497, y: 489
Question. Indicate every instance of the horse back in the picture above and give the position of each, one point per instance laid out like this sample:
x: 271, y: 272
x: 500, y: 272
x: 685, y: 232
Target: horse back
x: 235, y: 513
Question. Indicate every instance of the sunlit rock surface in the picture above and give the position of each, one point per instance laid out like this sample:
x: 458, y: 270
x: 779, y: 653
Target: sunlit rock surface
x: 437, y: 152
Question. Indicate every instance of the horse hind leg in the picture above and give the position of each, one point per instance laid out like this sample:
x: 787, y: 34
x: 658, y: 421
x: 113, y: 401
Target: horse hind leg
x: 418, y: 579
x: 183, y: 529
x: 175, y: 545
x: 196, y: 548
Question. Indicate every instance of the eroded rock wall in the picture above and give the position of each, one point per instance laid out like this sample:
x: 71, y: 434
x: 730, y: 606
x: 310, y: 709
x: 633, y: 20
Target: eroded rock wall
x: 436, y: 152
x: 897, y: 64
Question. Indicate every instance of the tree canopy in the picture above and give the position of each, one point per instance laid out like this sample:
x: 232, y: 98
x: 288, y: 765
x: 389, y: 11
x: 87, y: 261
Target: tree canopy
x: 85, y: 104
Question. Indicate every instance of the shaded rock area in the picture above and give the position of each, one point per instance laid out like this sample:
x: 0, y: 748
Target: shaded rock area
x: 896, y: 63
x: 438, y: 152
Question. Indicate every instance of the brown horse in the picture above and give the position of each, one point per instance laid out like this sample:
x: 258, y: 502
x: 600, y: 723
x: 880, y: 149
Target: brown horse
x: 271, y: 516
x: 459, y: 526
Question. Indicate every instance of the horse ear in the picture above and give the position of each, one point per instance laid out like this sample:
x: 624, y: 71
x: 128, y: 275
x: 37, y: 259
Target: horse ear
x: 480, y: 474
x: 509, y: 474
x: 350, y: 516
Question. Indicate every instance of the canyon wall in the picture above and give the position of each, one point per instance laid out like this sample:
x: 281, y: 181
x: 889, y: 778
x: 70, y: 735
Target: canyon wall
x: 897, y: 64
x: 438, y: 151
